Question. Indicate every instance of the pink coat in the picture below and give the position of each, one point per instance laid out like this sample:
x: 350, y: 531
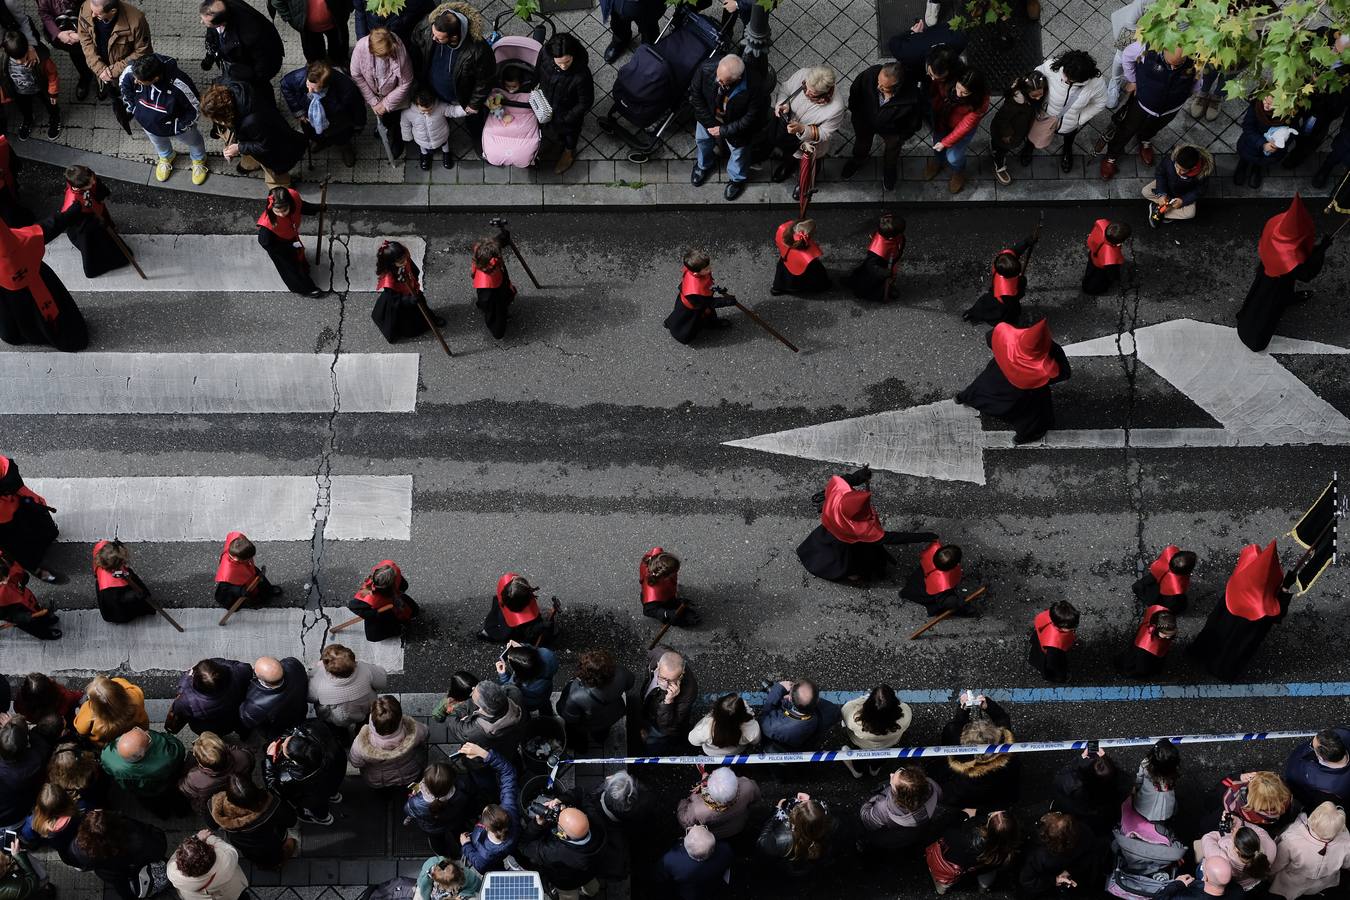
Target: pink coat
x: 1305, y: 865
x: 386, y: 79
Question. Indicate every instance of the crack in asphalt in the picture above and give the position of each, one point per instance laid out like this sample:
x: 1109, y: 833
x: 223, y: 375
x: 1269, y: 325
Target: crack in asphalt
x: 1127, y: 322
x: 314, y: 615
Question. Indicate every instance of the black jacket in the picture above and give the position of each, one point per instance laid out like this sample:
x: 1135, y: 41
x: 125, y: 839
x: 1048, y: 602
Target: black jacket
x: 20, y: 779
x: 1161, y: 88
x: 274, y: 710
x: 595, y: 709
x: 297, y: 783
x: 570, y: 93
x: 212, y: 712
x: 250, y: 47
x: 747, y: 106
x: 475, y: 68
x: 1041, y: 867
x: 901, y: 116
x: 565, y: 865
x: 261, y: 131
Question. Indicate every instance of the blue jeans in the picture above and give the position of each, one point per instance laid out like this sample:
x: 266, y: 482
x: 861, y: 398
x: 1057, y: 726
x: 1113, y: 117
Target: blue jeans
x: 707, y: 154
x: 955, y: 155
x: 196, y: 144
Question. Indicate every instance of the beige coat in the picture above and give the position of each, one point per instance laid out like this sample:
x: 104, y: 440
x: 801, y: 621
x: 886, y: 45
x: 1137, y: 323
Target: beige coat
x: 865, y: 740
x: 225, y: 880
x: 130, y: 39
x: 1300, y: 866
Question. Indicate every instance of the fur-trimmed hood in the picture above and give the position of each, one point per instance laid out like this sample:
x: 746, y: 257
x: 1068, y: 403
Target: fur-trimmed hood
x: 237, y: 818
x: 980, y: 766
x: 394, y: 746
x: 477, y: 26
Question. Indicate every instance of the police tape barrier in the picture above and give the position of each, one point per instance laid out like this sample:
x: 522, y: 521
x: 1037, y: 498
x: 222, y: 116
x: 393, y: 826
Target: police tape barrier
x: 825, y: 756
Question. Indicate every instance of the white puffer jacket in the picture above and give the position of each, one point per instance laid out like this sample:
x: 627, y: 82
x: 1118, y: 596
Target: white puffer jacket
x: 1072, y: 104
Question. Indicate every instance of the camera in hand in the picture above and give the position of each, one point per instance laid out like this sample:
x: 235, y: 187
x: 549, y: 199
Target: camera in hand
x: 539, y: 808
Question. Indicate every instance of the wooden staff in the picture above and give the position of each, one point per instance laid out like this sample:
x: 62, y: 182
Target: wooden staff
x: 1035, y: 239
x: 552, y: 615
x: 755, y: 317
x: 122, y: 245
x: 431, y: 323
x: 975, y: 594
x: 679, y: 611
x: 145, y: 592
x: 323, y: 208
x: 249, y: 591
x: 511, y: 242
x: 354, y: 619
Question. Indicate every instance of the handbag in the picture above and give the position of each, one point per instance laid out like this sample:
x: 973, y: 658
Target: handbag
x: 543, y: 110
x: 1042, y: 130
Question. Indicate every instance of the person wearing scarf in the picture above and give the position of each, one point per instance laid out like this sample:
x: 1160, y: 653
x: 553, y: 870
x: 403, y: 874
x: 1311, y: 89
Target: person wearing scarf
x: 1179, y: 181
x: 849, y: 543
x: 279, y: 234
x: 1015, y: 385
x: 1255, y: 598
x: 1288, y: 255
x: 35, y: 307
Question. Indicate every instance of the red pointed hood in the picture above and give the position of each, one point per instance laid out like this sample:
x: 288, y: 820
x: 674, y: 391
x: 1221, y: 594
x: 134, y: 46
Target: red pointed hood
x: 848, y: 514
x: 1287, y: 239
x: 21, y: 252
x: 1023, y: 354
x: 1252, y: 590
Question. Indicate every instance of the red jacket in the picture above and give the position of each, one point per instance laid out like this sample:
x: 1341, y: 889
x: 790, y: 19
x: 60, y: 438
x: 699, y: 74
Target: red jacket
x: 959, y: 120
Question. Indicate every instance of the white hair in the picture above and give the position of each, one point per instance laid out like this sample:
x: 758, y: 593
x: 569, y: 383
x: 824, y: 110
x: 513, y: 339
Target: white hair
x: 699, y: 842
x: 732, y: 66
x: 722, y: 785
x: 820, y: 79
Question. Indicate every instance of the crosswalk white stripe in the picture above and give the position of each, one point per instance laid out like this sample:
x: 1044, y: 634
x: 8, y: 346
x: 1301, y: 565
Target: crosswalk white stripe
x: 217, y: 263
x: 90, y: 645
x: 34, y: 384
x: 206, y: 508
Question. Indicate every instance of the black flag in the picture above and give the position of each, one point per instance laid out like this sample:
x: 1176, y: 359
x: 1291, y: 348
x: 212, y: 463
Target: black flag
x: 1316, y: 534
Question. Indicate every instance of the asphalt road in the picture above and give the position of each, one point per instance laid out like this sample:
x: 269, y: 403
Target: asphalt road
x: 587, y: 436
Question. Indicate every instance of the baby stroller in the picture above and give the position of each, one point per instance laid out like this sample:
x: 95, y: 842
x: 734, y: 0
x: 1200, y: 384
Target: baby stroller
x: 652, y: 86
x: 511, y: 133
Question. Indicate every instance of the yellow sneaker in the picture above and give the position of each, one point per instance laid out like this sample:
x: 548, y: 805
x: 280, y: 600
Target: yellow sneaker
x: 164, y: 167
x: 199, y: 171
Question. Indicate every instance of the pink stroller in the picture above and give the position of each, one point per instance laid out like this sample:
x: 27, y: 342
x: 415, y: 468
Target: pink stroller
x: 511, y: 134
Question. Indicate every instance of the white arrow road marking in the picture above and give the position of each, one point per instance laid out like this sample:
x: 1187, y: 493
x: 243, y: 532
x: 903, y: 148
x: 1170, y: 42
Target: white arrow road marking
x: 90, y: 645
x: 34, y: 384
x: 217, y: 262
x: 206, y: 508
x: 1257, y: 401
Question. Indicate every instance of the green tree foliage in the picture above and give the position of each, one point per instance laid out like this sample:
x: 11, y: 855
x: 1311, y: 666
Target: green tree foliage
x: 981, y: 12
x: 388, y: 7
x: 1285, y: 50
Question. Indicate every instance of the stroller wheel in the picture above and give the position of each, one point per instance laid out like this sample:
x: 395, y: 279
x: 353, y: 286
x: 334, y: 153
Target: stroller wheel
x: 638, y: 156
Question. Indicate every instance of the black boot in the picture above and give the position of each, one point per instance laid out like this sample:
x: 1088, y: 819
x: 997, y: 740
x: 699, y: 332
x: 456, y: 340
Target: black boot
x: 1240, y: 173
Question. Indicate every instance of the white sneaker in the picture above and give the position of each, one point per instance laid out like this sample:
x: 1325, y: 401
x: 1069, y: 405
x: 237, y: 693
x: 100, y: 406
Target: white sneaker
x: 930, y: 13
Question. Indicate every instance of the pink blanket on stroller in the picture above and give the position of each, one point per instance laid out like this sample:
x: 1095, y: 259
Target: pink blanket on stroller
x: 514, y: 143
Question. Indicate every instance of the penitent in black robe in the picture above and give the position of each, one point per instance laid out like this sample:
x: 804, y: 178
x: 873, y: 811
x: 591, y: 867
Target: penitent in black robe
x: 122, y: 604
x: 813, y: 279
x: 868, y: 279
x: 1267, y: 298
x: 90, y: 236
x: 290, y: 261
x: 1227, y: 642
x: 30, y: 529
x: 21, y: 320
x: 1030, y: 411
x: 495, y: 305
x: 1149, y: 594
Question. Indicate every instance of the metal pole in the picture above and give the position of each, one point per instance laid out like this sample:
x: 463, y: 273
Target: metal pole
x: 757, y: 40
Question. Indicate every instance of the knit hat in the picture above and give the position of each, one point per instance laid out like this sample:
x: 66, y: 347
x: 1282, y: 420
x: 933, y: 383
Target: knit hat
x: 491, y: 698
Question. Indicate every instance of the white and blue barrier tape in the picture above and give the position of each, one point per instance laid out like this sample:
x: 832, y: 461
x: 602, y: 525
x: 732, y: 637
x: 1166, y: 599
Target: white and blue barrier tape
x: 826, y: 756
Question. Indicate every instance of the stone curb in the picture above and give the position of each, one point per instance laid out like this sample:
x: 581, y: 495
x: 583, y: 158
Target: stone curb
x: 432, y: 196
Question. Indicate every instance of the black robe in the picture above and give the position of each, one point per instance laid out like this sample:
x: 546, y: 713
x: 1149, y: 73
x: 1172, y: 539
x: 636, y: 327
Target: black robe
x: 13, y: 212
x: 495, y: 304
x: 90, y: 236
x: 495, y: 628
x: 385, y: 625
x: 227, y: 594
x: 1030, y: 411
x: 825, y: 556
x: 397, y: 315
x: 1137, y: 662
x: 813, y: 279
x: 989, y: 311
x: 915, y: 590
x: 1051, y: 662
x: 1146, y: 589
x: 122, y: 604
x: 684, y: 324
x: 1267, y: 297
x: 21, y: 321
x: 868, y: 279
x: 1097, y: 280
x: 293, y: 268
x: 1227, y: 641
x: 26, y: 537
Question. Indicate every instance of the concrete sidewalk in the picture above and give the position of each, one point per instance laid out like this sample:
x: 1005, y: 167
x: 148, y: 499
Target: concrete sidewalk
x: 805, y: 32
